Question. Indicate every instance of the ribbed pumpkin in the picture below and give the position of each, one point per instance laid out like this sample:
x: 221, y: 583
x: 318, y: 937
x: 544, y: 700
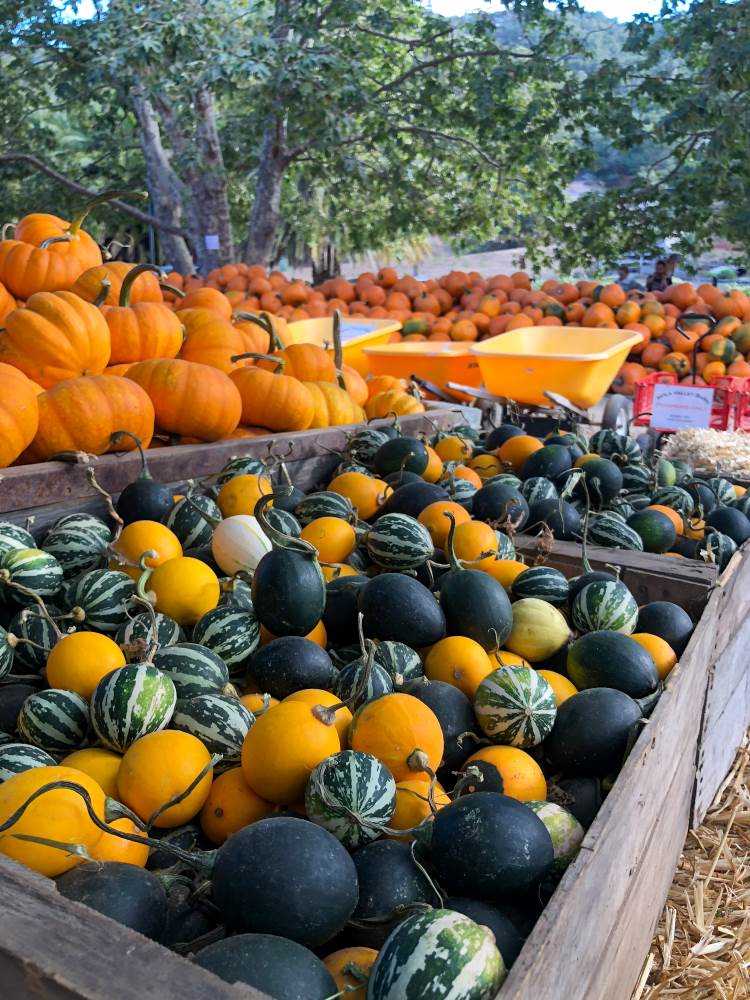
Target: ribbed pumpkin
x: 140, y: 331
x: 81, y: 414
x: 7, y: 302
x: 55, y: 337
x: 145, y: 288
x: 283, y: 747
x: 19, y: 412
x: 355, y: 384
x: 59, y: 814
x: 211, y: 340
x: 333, y: 405
x: 273, y: 400
x: 189, y: 399
x: 70, y: 240
x: 209, y: 299
x: 307, y: 362
x: 394, y: 401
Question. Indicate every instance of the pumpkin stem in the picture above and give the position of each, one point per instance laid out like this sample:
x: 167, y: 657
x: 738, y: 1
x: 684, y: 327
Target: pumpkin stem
x: 101, y: 295
x: 6, y: 578
x: 451, y: 553
x: 176, y: 799
x: 130, y: 277
x: 280, y: 362
x: 277, y: 538
x: 149, y: 596
x: 265, y: 323
x: 100, y: 199
x: 171, y: 288
x: 120, y: 524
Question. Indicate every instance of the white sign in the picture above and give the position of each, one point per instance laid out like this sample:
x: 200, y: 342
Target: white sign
x: 677, y: 407
x: 212, y: 241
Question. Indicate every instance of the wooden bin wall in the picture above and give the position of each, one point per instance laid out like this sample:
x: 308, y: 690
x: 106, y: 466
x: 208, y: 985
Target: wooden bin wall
x: 592, y: 937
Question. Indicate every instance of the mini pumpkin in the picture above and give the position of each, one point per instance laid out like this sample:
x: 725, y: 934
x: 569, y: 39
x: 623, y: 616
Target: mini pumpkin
x: 142, y: 330
x: 19, y: 413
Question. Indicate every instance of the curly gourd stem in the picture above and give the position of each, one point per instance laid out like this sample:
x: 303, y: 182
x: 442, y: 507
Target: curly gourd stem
x: 177, y: 799
x: 327, y: 713
x: 202, y: 860
x: 433, y: 885
x: 154, y: 645
x: 104, y: 290
x: 120, y: 524
x: 127, y: 284
x: 419, y: 761
x: 178, y: 292
x: 140, y: 588
x: 115, y: 438
x: 277, y: 538
x: 453, y: 560
x: 27, y: 592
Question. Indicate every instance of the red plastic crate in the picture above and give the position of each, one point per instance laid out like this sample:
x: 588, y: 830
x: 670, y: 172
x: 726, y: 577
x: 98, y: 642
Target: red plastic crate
x: 731, y: 403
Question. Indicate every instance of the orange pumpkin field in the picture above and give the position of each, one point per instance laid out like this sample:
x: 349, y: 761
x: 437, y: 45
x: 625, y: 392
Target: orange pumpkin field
x: 209, y: 359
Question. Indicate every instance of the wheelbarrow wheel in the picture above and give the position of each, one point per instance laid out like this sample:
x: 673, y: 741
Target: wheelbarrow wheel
x: 616, y: 413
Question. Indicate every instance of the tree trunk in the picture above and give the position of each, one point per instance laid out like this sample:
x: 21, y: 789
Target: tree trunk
x: 215, y: 204
x: 164, y: 185
x: 265, y: 217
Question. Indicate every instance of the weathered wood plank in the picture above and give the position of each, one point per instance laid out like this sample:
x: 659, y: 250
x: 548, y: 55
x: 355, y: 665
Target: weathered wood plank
x: 30, y: 486
x: 631, y: 834
x: 54, y: 949
x: 649, y: 577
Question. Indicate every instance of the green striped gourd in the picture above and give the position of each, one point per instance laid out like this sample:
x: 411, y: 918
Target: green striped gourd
x: 324, y: 504
x: 76, y: 548
x: 538, y: 488
x: 722, y: 488
x: 610, y: 444
x: 284, y: 521
x: 505, y: 478
x: 505, y: 547
x: 611, y: 530
x: 353, y: 796
x: 140, y: 629
x: 100, y: 600
x: 17, y: 757
x: 131, y: 702
x: 515, y: 706
x: 344, y: 467
x: 622, y: 506
x: 675, y: 497
x: 637, y: 478
x: 605, y: 604
x: 32, y: 624
x: 564, y: 829
x: 13, y: 536
x: 544, y: 582
x: 399, y: 542
x: 459, y: 490
x: 718, y: 548
x: 8, y: 643
x: 231, y: 633
x: 236, y: 593
x: 350, y: 685
x: 403, y: 664
x: 439, y: 954
x: 364, y: 444
x: 193, y: 669
x: 86, y: 522
x: 192, y: 529
x: 33, y: 569
x: 55, y: 720
x: 639, y: 500
x: 242, y: 465
x: 219, y: 722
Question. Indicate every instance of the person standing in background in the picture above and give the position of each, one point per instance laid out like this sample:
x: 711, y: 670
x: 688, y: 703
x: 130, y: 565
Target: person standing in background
x: 660, y: 279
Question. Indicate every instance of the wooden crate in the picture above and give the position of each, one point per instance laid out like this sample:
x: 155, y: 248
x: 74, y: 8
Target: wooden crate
x: 592, y: 937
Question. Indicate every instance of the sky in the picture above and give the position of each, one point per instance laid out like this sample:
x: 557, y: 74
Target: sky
x: 623, y: 10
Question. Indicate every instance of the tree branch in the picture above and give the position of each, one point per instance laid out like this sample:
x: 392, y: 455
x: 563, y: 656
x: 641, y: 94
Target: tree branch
x: 120, y: 206
x: 450, y: 57
x: 437, y: 134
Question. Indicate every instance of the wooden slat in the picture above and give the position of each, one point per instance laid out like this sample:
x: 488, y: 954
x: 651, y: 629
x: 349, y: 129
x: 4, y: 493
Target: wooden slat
x: 592, y: 936
x: 54, y: 949
x: 33, y: 486
x: 649, y: 577
x: 726, y: 716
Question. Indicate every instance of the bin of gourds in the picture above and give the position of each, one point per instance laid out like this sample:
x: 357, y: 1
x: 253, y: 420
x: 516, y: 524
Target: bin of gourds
x: 366, y: 736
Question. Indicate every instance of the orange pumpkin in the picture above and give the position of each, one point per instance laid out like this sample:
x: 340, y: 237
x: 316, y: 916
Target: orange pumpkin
x: 144, y: 288
x: 521, y: 776
x: 231, y: 805
x: 282, y: 748
x: 19, y: 414
x: 317, y: 696
x: 333, y: 406
x: 207, y: 298
x: 307, y: 362
x: 472, y: 539
x: 459, y: 661
x: 142, y: 330
x: 70, y: 240
x: 55, y: 337
x: 333, y: 538
x: 392, y: 401
x: 413, y: 805
x: 101, y: 765
x: 211, y: 340
x: 433, y: 517
x: 158, y: 768
x: 273, y: 400
x: 7, y: 302
x: 384, y: 383
x: 401, y: 731
x: 184, y: 588
x: 355, y: 384
x: 240, y: 494
x: 366, y: 494
x: 190, y: 399
x: 82, y: 414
